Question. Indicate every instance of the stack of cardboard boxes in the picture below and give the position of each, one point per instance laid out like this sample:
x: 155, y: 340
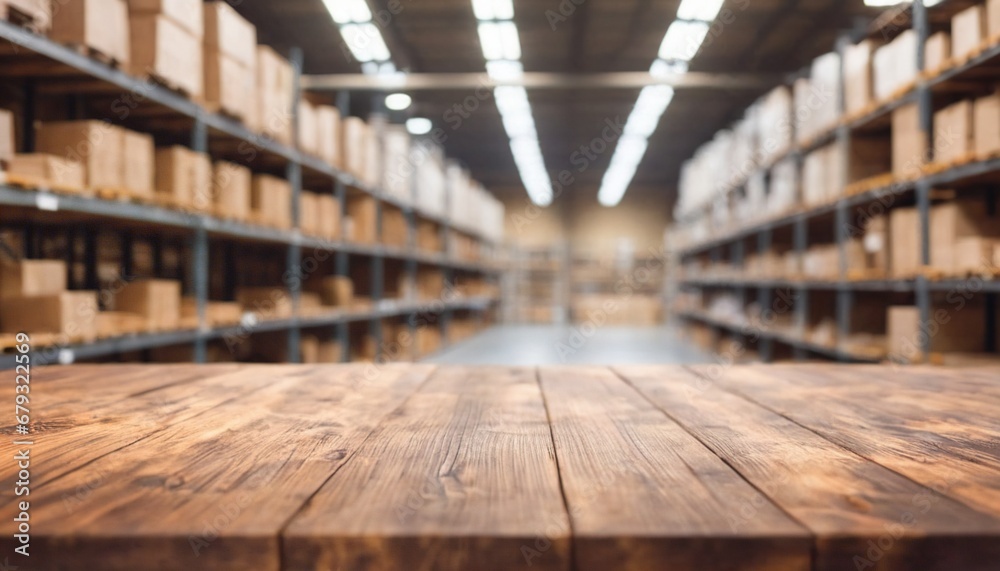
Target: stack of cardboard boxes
x: 112, y: 157
x: 230, y: 47
x: 101, y: 26
x: 275, y: 79
x: 157, y: 301
x: 184, y: 178
x: 37, y: 13
x: 34, y: 300
x: 271, y: 201
x: 166, y: 38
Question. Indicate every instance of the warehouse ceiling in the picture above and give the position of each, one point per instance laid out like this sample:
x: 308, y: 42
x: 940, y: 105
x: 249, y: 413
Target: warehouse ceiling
x: 575, y: 36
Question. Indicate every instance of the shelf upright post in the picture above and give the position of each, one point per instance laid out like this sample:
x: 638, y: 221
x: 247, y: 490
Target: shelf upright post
x: 925, y: 106
x: 448, y: 236
x: 28, y: 116
x: 342, y: 261
x: 378, y: 259
x: 411, y: 262
x: 293, y: 172
x: 801, y: 243
x: 765, y: 343
x: 923, y: 191
x: 200, y: 255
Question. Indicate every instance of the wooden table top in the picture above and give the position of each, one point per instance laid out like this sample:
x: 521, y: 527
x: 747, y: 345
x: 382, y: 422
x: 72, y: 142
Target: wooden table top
x: 414, y: 467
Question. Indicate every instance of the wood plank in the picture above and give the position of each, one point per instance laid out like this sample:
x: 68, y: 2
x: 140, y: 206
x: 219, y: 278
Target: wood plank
x: 214, y: 492
x: 937, y: 435
x: 462, y: 477
x: 97, y: 410
x: 644, y: 494
x: 864, y: 515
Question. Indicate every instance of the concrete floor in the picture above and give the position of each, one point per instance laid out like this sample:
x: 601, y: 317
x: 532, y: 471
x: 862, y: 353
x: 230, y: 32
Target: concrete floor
x: 525, y: 345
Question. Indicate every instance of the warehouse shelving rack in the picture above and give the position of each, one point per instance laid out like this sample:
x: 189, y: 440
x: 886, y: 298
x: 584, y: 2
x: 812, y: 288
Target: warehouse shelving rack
x: 760, y: 234
x: 206, y: 127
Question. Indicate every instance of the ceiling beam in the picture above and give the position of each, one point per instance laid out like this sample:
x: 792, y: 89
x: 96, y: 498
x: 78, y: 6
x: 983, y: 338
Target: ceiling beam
x: 538, y: 80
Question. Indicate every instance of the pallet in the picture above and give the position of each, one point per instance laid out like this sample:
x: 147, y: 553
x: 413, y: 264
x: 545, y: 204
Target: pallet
x: 8, y: 341
x: 26, y: 182
x: 871, y: 183
x: 866, y: 275
x: 168, y: 84
x: 97, y: 55
x: 125, y: 195
x: 940, y: 167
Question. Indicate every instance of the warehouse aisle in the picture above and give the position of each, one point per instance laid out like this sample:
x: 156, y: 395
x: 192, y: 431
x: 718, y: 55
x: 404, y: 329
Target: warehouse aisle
x: 525, y: 345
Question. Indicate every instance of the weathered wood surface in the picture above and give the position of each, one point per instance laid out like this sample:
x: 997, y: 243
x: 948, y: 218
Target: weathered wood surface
x: 411, y: 467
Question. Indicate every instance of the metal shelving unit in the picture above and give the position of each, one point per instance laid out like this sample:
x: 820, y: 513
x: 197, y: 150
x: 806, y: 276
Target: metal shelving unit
x: 207, y: 128
x: 799, y: 222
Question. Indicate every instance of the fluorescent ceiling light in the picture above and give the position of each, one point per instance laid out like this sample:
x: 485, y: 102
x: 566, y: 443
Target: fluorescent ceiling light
x: 662, y: 69
x: 419, y: 125
x: 347, y: 11
x: 704, y: 10
x: 365, y: 42
x: 398, y: 101
x: 683, y: 40
x: 500, y: 41
x: 503, y: 70
x: 883, y: 3
x: 511, y: 100
x: 493, y: 9
x: 519, y: 125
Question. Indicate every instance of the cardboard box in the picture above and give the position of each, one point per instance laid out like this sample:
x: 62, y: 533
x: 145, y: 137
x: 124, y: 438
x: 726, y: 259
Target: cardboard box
x: 355, y: 146
x: 271, y: 200
x: 100, y: 25
x: 328, y: 127
x: 55, y: 171
x: 986, y: 118
x: 953, y: 133
x: 185, y: 13
x: 119, y: 323
x: 231, y: 189
x: 858, y: 90
x: 37, y: 12
x: 32, y: 278
x: 937, y: 51
x: 968, y: 30
x: 904, y: 230
x: 229, y: 33
x: 429, y: 236
x: 974, y: 255
x: 158, y: 301
x: 309, y: 214
x: 138, y: 159
x: 954, y: 221
x: 895, y: 66
x: 330, y: 352
x: 909, y: 144
x: 185, y: 176
x: 993, y: 18
x: 329, y: 216
x: 99, y: 146
x: 395, y: 231
x: 334, y: 291
x: 951, y: 330
x: 216, y: 312
x: 71, y: 313
x: 308, y: 129
x: 266, y: 302
x: 274, y: 92
x: 7, y: 143
x: 230, y: 86
x: 363, y: 210
x: 164, y: 50
x: 876, y: 245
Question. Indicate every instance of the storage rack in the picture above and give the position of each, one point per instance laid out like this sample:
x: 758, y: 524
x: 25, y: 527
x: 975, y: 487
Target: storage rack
x: 759, y: 235
x: 538, y: 279
x: 207, y: 127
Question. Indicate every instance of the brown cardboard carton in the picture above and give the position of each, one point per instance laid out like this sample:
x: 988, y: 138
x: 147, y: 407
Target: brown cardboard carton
x: 271, y: 200
x: 101, y: 25
x: 166, y: 51
x: 974, y: 255
x: 968, y: 30
x: 335, y: 291
x: 330, y: 352
x: 98, y: 145
x: 230, y: 34
x: 7, y: 145
x: 118, y: 323
x: 32, y: 277
x: 986, y: 118
x: 185, y: 176
x: 429, y: 236
x: 953, y: 221
x: 309, y: 213
x: 231, y: 189
x: 216, y: 312
x: 185, y: 13
x: 953, y: 134
x: 329, y: 216
x: 308, y: 131
x: 230, y: 86
x: 395, y: 230
x: 71, y: 313
x: 159, y: 301
x: 328, y: 127
x: 37, y: 12
x: 993, y: 18
x: 953, y: 327
x: 937, y: 51
x: 138, y: 159
x: 904, y: 229
x: 909, y: 144
x: 274, y: 95
x: 363, y: 210
x: 56, y: 171
x: 267, y: 302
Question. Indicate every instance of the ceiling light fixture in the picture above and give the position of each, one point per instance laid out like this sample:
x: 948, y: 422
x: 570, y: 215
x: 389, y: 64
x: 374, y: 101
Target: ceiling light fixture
x: 419, y: 126
x: 398, y: 101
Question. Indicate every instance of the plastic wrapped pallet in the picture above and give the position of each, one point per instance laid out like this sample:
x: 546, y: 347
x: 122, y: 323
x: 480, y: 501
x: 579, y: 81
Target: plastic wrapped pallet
x: 858, y: 88
x: 783, y: 194
x: 968, y: 30
x: 398, y: 168
x: 895, y: 66
x: 775, y: 124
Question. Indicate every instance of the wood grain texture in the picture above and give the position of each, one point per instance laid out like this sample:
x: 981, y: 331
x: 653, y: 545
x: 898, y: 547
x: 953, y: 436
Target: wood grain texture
x: 862, y: 513
x: 463, y: 476
x: 937, y: 428
x: 214, y: 491
x: 645, y: 494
